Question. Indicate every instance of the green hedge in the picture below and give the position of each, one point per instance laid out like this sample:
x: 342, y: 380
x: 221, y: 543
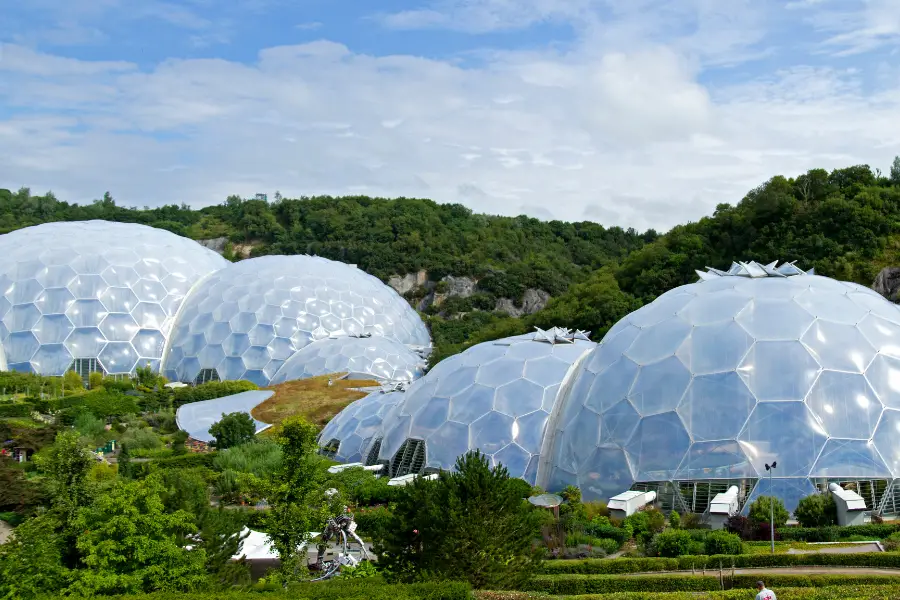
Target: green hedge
x: 604, y: 584
x: 182, y: 461
x: 17, y: 409
x: 835, y: 533
x: 848, y: 592
x: 741, y: 561
x: 359, y: 589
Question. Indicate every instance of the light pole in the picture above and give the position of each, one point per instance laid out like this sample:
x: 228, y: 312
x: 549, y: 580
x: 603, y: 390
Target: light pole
x: 771, y: 468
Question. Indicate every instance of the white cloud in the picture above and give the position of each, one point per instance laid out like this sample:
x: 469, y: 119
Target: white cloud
x: 624, y: 128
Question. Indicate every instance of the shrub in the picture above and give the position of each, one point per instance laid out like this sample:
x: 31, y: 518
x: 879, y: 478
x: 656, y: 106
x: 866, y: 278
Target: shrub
x: 142, y: 438
x: 674, y: 520
x: 95, y: 380
x: 691, y: 521
x: 618, y: 534
x: 722, y: 542
x: 672, y: 543
x: 373, y: 523
x: 596, y: 510
x: 17, y: 409
x: 760, y: 511
x: 817, y: 510
x: 892, y: 542
x: 261, y: 457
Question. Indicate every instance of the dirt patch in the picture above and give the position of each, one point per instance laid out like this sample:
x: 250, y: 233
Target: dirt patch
x: 314, y: 399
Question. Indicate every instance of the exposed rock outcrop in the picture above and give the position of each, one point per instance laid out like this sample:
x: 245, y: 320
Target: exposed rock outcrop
x: 532, y: 301
x: 215, y: 244
x: 887, y: 283
x: 408, y: 282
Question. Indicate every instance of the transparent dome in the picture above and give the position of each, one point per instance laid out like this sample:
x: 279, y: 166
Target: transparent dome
x: 375, y: 357
x: 245, y: 321
x: 716, y: 379
x: 496, y: 397
x: 348, y: 436
x: 93, y: 295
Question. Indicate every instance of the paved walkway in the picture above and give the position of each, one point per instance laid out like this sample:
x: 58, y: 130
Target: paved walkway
x: 780, y: 570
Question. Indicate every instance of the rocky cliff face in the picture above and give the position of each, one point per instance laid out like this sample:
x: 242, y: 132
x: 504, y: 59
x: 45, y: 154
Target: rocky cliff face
x: 423, y: 293
x: 887, y: 283
x: 218, y: 245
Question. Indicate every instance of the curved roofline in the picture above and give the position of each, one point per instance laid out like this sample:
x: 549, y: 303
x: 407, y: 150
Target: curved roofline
x: 545, y: 466
x: 184, y: 301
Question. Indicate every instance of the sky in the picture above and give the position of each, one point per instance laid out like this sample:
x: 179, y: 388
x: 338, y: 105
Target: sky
x: 638, y: 113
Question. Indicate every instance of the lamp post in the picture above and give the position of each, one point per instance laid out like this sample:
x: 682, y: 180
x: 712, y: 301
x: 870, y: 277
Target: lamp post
x: 771, y: 468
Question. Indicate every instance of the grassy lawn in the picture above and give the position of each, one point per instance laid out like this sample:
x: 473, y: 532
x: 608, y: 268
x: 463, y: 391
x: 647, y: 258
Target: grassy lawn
x: 311, y: 398
x: 783, y: 547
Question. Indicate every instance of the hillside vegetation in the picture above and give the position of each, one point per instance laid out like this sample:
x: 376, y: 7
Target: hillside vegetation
x: 845, y: 224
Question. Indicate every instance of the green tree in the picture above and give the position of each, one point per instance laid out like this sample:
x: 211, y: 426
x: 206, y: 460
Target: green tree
x: 72, y: 381
x: 67, y: 466
x: 31, y: 561
x: 760, y: 511
x: 179, y: 438
x: 471, y: 524
x: 817, y: 510
x: 130, y: 545
x: 295, y: 506
x: 895, y: 171
x: 674, y: 520
x: 123, y: 462
x: 722, y: 542
x: 95, y: 380
x: 233, y: 429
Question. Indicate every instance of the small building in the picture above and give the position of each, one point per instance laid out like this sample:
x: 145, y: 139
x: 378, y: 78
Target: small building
x: 628, y: 503
x: 723, y: 506
x: 851, y: 508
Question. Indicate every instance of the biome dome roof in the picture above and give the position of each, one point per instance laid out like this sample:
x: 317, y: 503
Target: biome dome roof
x: 715, y: 379
x: 357, y: 426
x: 245, y: 321
x: 496, y: 397
x: 372, y: 357
x: 93, y: 290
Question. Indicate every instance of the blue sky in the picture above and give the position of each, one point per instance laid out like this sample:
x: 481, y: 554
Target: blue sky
x: 646, y: 113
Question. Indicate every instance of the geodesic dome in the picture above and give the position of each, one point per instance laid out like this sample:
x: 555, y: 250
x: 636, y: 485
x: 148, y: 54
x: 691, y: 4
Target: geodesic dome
x: 245, y: 321
x: 496, y: 396
x: 349, y: 436
x: 714, y: 380
x: 374, y: 357
x: 93, y: 295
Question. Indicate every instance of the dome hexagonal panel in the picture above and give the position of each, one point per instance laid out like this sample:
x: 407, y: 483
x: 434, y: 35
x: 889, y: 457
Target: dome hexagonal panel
x: 290, y: 301
x: 378, y: 358
x: 784, y: 365
x: 358, y: 425
x: 497, y: 392
x: 90, y: 271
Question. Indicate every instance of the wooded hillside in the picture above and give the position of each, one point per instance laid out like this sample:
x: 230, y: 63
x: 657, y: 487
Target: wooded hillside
x: 845, y: 224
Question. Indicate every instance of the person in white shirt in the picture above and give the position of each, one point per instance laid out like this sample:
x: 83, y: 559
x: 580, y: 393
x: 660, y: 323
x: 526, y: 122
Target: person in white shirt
x: 764, y: 592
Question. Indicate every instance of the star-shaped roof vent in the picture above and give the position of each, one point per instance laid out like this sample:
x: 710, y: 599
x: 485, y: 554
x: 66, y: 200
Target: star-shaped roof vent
x: 754, y: 269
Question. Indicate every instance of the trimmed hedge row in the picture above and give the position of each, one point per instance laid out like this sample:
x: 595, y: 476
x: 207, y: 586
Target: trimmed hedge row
x: 331, y: 590
x: 848, y: 592
x: 15, y: 409
x: 836, y: 533
x: 605, y: 584
x: 883, y: 560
